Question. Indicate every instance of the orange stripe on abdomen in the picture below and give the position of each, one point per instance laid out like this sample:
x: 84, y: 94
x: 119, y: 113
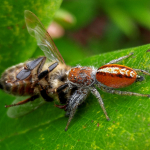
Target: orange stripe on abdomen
x: 116, y: 76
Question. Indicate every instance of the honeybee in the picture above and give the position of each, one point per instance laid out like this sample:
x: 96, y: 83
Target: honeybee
x: 70, y: 84
x: 37, y: 78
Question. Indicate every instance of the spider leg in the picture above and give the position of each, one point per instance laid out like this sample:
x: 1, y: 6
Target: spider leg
x: 76, y: 99
x: 119, y: 59
x: 112, y: 91
x: 142, y: 71
x: 97, y: 95
x: 141, y: 78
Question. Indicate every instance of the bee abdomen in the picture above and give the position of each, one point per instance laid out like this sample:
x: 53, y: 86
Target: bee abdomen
x: 12, y: 85
x: 18, y: 87
x: 22, y: 88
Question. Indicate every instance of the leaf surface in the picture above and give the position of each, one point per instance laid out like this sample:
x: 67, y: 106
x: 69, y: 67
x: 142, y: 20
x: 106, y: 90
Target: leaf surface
x: 128, y: 128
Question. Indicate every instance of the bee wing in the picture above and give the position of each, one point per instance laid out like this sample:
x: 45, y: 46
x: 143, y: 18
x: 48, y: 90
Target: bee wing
x: 44, y: 40
x: 20, y: 110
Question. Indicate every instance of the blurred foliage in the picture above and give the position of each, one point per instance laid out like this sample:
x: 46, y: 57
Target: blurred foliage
x: 128, y: 14
x: 104, y: 26
x: 64, y: 18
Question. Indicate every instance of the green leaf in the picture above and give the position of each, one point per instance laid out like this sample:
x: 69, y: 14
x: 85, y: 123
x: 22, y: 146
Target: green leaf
x: 15, y: 41
x: 128, y: 128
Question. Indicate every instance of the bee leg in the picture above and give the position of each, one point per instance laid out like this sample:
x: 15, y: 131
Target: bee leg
x: 61, y: 106
x: 61, y: 94
x: 1, y: 86
x: 32, y: 98
x: 62, y: 97
x: 45, y: 96
x: 62, y: 87
x: 45, y: 72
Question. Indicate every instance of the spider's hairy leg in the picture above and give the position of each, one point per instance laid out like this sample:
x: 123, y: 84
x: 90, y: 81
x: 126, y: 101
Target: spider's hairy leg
x: 119, y: 59
x: 76, y: 99
x: 142, y: 71
x: 112, y: 91
x: 141, y: 78
x: 97, y: 95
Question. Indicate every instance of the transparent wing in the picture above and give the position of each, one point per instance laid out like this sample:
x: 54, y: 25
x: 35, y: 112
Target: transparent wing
x: 21, y: 110
x: 44, y: 40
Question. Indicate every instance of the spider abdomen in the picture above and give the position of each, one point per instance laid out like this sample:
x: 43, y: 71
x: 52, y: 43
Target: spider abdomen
x: 116, y: 76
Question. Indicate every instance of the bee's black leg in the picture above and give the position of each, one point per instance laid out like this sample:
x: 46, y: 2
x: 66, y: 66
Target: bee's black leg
x: 45, y: 96
x: 1, y: 86
x: 32, y: 98
x: 45, y: 72
x: 62, y: 87
x: 62, y: 97
x: 61, y: 94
